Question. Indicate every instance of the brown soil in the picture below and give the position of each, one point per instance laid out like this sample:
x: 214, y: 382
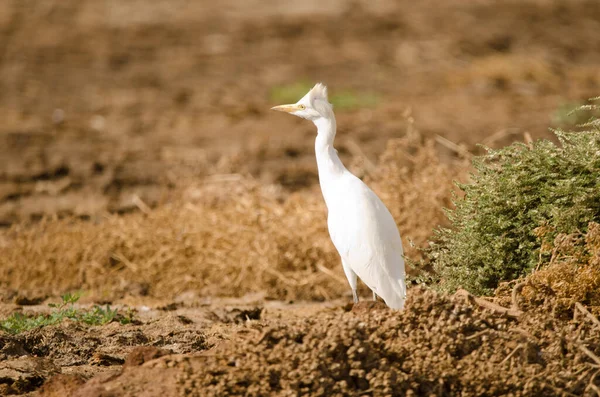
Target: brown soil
x: 139, y: 162
x: 438, y: 346
x: 103, y: 102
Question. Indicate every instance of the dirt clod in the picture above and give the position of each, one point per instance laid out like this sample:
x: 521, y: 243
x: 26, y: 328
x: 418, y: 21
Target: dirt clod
x: 61, y: 385
x: 25, y: 374
x: 105, y: 360
x: 363, y: 307
x: 28, y: 301
x: 141, y: 354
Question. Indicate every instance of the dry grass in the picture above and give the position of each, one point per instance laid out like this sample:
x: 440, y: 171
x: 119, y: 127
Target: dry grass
x: 226, y: 239
x: 572, y: 273
x: 416, y: 186
x: 226, y: 236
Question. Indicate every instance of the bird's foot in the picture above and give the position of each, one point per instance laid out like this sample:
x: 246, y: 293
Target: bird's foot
x: 355, y: 296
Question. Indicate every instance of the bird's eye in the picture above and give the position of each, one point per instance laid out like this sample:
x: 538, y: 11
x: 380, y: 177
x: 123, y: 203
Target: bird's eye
x: 301, y: 107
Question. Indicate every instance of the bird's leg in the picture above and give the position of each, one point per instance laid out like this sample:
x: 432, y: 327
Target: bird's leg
x: 374, y: 296
x: 352, y: 279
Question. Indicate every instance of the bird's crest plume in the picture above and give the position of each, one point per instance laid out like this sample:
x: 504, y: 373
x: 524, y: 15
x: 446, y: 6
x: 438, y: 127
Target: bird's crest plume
x: 318, y: 92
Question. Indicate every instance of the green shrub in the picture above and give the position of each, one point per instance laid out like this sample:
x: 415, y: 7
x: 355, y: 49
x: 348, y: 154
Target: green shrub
x: 513, y: 194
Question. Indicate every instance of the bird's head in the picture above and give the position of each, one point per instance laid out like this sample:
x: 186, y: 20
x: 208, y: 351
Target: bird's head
x: 313, y: 106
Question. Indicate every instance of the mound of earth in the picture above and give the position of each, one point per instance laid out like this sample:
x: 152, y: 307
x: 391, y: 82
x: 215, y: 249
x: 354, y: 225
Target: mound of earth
x: 440, y: 345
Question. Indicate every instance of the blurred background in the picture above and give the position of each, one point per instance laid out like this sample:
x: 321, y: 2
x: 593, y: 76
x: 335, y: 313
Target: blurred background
x: 108, y: 106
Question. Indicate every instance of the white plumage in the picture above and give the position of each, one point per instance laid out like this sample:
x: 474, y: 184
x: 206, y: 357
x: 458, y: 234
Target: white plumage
x: 361, y: 227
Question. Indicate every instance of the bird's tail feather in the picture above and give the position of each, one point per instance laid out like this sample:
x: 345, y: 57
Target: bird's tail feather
x: 394, y: 291
x: 396, y: 295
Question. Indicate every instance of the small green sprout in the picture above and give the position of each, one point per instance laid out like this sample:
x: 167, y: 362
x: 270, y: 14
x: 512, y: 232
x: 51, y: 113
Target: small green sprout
x: 97, y: 315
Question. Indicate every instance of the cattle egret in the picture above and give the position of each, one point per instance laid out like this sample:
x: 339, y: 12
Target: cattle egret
x: 361, y: 227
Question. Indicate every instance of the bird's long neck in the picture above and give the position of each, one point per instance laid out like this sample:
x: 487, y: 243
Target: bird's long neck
x: 329, y: 164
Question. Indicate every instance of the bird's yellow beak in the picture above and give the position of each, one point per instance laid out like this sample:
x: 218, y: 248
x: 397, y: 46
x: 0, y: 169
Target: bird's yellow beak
x: 286, y: 108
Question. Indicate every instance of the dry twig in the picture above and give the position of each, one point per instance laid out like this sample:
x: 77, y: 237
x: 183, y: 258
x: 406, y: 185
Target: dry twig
x: 460, y: 150
x: 589, y: 315
x: 331, y: 274
x: 477, y: 334
x: 515, y: 293
x: 512, y: 353
x: 487, y: 304
x: 588, y: 352
x: 591, y: 384
x: 140, y: 204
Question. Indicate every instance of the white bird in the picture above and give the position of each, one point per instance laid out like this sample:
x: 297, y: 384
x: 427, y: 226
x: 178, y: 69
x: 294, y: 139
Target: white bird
x: 361, y: 227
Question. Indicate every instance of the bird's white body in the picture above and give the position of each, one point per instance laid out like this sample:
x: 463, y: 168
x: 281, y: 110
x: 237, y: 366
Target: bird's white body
x: 367, y: 239
x: 361, y: 227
